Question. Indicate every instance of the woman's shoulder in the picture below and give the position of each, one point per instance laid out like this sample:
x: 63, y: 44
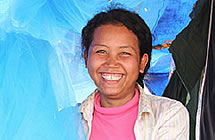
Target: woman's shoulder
x: 163, y: 100
x: 159, y: 104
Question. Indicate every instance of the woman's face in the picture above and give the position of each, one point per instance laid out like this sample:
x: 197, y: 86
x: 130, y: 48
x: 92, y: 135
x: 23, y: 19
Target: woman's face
x: 114, y: 62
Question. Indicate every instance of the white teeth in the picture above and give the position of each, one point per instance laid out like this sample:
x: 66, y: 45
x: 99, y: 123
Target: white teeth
x: 111, y: 77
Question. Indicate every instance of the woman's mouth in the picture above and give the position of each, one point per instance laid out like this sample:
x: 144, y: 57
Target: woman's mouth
x: 111, y: 76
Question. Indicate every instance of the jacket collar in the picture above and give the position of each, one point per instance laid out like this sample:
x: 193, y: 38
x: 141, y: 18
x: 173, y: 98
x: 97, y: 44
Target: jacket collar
x: 87, y: 107
x: 144, y: 103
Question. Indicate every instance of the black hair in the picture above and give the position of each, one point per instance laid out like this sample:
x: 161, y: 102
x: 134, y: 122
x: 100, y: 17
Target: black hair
x: 129, y: 19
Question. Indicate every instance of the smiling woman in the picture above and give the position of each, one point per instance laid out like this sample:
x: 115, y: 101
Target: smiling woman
x: 117, y: 48
x: 113, y: 63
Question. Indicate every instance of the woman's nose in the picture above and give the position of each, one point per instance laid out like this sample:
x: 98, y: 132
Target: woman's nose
x: 112, y: 61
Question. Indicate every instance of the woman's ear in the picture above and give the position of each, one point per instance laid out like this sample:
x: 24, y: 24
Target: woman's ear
x: 143, y: 62
x: 85, y: 58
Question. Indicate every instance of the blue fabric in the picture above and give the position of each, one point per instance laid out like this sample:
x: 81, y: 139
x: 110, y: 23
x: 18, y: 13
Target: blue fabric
x: 173, y: 20
x: 28, y: 106
x: 158, y: 80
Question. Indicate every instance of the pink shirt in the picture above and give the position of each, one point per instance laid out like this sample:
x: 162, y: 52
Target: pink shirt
x: 115, y: 123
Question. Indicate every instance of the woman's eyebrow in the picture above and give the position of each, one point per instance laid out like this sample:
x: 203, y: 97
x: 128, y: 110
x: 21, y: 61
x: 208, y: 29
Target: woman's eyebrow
x: 100, y: 45
x: 124, y: 47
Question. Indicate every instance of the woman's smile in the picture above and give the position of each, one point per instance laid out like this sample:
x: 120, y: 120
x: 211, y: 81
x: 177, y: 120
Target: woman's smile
x: 111, y: 76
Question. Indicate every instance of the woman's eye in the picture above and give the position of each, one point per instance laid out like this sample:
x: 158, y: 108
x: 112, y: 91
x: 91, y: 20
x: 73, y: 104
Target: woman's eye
x: 100, y: 51
x: 125, y: 53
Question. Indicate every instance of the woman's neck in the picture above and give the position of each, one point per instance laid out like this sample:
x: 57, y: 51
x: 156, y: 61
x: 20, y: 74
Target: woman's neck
x: 115, y: 102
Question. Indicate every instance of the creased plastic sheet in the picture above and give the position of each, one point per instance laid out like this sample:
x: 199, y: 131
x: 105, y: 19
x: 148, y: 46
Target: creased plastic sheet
x: 28, y: 106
